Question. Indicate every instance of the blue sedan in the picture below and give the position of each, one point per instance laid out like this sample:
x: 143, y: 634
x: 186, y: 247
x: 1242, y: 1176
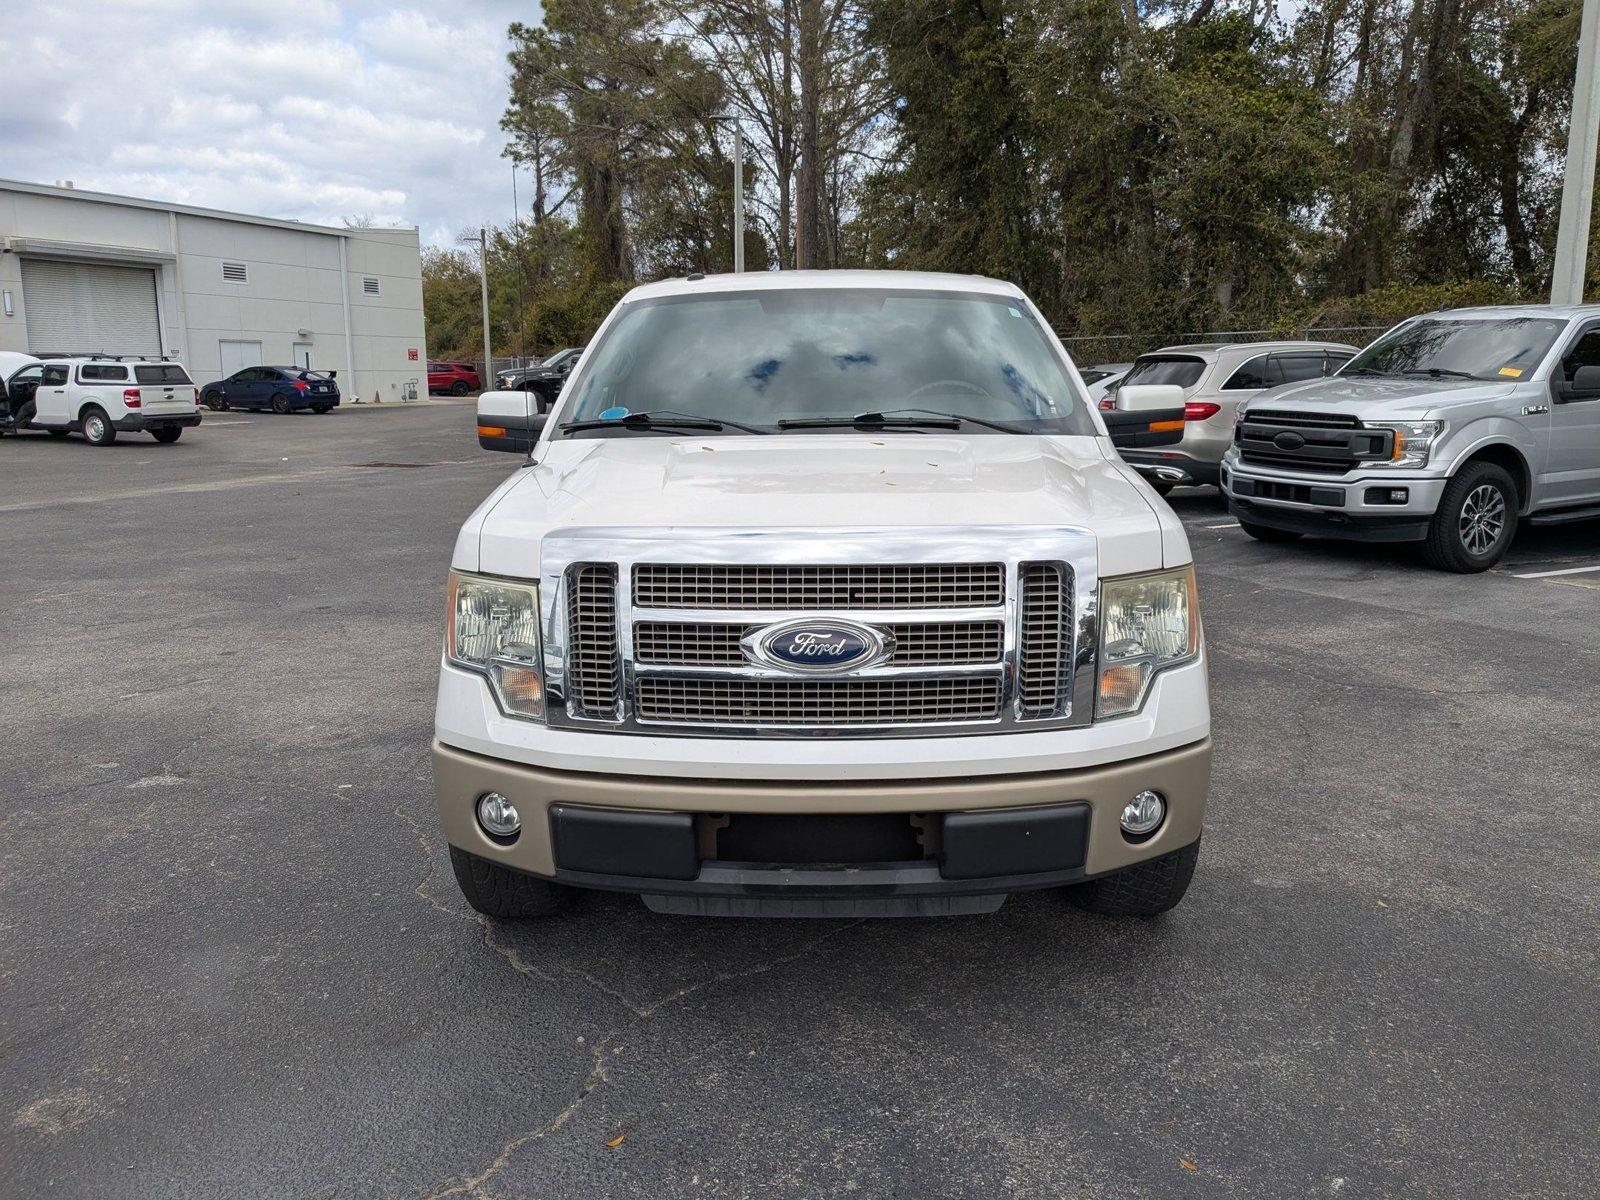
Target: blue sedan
x: 282, y: 389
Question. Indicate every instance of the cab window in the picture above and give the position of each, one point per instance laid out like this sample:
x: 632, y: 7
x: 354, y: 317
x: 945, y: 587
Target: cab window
x: 1584, y: 353
x: 54, y: 375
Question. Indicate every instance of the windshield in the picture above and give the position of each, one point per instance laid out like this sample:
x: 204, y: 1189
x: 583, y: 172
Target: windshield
x: 559, y: 357
x: 1505, y: 349
x: 1183, y: 371
x: 762, y: 357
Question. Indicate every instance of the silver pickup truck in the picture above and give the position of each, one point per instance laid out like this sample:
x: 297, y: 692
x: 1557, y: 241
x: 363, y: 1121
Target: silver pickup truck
x: 1448, y: 430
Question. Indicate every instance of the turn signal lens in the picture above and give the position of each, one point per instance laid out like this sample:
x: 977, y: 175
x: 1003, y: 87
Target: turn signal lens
x: 521, y: 689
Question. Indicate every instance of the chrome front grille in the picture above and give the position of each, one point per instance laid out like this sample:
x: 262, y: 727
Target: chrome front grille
x: 817, y: 703
x: 918, y: 644
x: 985, y: 630
x: 1044, y: 639
x: 594, y: 667
x: 793, y: 588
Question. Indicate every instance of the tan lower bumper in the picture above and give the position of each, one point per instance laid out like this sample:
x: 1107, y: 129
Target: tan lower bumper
x: 1182, y: 775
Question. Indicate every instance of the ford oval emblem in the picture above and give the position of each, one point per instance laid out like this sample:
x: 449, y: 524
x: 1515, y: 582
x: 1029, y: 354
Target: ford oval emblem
x: 816, y: 647
x: 1289, y: 440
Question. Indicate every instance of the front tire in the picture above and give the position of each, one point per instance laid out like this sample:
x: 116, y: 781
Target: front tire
x: 459, y: 388
x: 1266, y: 533
x: 215, y: 401
x: 1476, y: 521
x: 97, y: 427
x: 500, y: 892
x: 1145, y: 890
x: 166, y: 436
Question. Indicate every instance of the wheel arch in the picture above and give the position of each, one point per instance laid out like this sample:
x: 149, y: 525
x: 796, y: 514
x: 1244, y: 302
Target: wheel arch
x: 1511, y: 460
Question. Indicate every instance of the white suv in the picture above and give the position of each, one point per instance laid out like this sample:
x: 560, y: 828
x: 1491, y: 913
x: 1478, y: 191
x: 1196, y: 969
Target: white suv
x: 102, y: 397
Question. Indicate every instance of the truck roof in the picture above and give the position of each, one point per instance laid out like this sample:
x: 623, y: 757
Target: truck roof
x: 793, y: 280
x: 1489, y: 311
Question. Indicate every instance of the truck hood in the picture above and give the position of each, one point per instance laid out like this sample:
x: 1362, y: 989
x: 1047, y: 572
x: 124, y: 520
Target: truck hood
x: 1378, y: 399
x: 801, y: 481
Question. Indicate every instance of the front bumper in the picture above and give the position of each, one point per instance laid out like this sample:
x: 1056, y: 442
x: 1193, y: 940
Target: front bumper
x: 1354, y: 506
x: 146, y: 422
x: 994, y: 834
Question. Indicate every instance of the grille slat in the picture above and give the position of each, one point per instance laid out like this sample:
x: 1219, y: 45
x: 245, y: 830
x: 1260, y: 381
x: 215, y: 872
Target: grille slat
x: 916, y: 644
x: 1044, y: 639
x: 702, y: 700
x: 594, y: 668
x: 835, y: 587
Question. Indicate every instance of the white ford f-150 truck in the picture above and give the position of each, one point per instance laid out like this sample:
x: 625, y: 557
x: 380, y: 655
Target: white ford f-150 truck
x: 823, y: 594
x: 1447, y: 431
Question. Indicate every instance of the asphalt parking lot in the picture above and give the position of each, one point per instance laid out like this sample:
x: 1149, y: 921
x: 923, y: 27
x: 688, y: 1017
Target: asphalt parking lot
x: 233, y: 961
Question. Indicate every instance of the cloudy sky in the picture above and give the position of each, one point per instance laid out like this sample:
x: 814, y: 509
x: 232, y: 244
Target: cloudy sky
x: 289, y: 108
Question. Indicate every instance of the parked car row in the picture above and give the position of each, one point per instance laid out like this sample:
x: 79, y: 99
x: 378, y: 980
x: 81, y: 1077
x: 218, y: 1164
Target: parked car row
x: 1448, y: 431
x: 101, y: 396
x: 544, y: 379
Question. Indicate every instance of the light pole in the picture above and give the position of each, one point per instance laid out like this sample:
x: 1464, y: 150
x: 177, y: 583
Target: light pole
x: 738, y: 189
x: 1577, y: 192
x: 483, y: 279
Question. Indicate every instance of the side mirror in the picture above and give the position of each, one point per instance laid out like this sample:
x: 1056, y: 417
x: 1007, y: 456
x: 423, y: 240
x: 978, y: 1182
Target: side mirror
x: 1145, y: 415
x: 1149, y: 397
x: 509, y: 421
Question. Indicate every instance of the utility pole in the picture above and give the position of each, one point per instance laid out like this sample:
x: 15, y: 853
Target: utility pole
x: 483, y: 276
x: 1577, y: 192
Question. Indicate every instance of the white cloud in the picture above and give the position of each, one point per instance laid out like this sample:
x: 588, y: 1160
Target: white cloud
x: 289, y: 108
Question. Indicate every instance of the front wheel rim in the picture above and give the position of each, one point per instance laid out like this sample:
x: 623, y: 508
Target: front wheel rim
x: 1483, y: 519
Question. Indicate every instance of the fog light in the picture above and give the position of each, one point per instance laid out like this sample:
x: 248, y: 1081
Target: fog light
x: 498, y: 816
x: 1144, y: 813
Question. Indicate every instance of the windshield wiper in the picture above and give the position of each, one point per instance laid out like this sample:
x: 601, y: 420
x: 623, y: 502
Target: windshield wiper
x: 1365, y: 371
x: 1441, y: 372
x: 661, y: 418
x: 869, y: 420
x: 1002, y: 426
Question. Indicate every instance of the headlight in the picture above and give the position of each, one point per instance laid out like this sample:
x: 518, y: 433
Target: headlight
x: 1413, y: 442
x: 492, y: 627
x: 1147, y: 623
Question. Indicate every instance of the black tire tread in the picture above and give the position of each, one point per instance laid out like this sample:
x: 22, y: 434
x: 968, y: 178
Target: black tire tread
x: 1443, y: 549
x: 1146, y: 890
x: 498, y: 891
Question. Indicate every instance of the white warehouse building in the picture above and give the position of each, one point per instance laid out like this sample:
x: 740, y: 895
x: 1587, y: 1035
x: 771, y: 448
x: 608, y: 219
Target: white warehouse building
x: 91, y: 273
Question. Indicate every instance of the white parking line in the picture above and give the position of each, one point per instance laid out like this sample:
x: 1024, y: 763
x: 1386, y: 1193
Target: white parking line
x: 1563, y: 571
x: 1229, y: 525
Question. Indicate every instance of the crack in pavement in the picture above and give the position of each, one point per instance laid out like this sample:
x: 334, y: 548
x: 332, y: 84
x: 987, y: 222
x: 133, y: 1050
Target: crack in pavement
x: 607, y: 1049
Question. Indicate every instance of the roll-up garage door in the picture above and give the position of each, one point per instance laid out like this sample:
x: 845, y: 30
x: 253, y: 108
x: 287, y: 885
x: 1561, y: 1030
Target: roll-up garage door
x: 90, y: 308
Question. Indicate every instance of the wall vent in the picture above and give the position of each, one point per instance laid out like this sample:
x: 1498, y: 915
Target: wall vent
x: 235, y: 272
x: 369, y: 285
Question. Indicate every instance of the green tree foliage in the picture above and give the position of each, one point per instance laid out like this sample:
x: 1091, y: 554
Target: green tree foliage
x: 1141, y: 167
